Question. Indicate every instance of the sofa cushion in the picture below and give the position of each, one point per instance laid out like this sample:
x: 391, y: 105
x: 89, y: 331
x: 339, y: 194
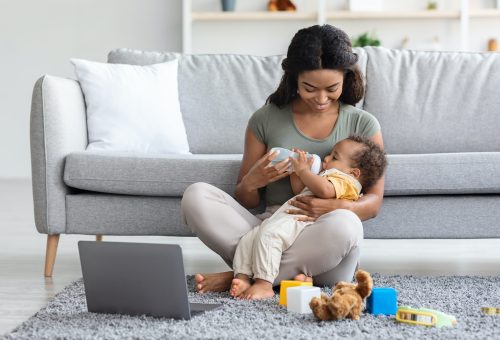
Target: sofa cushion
x: 435, y: 216
x: 431, y: 102
x: 93, y: 214
x: 150, y: 175
x: 443, y: 173
x: 449, y: 216
x: 169, y: 175
x: 132, y: 108
x: 218, y: 93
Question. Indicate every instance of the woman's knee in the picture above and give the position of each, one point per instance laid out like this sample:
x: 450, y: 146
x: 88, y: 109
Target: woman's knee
x: 193, y: 194
x: 192, y: 200
x: 344, y: 271
x: 195, y: 190
x: 342, y: 225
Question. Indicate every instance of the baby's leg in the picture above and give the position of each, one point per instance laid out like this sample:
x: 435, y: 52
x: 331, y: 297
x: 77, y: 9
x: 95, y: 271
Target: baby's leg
x: 239, y: 285
x: 261, y: 289
x: 275, y: 236
x: 242, y: 263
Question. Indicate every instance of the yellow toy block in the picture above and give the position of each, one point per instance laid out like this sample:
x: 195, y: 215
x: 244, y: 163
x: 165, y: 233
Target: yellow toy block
x: 287, y: 284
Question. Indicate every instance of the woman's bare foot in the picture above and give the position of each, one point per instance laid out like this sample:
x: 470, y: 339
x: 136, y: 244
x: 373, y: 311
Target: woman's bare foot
x: 261, y: 289
x: 239, y: 284
x: 218, y: 282
x: 303, y: 277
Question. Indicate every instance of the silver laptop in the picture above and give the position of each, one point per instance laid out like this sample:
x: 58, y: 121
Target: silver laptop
x: 136, y: 279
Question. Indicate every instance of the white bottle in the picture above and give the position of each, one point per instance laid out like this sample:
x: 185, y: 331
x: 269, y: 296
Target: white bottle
x: 285, y: 153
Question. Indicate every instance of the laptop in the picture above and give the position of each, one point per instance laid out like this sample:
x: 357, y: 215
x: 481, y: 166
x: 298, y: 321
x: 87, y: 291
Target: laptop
x: 136, y: 279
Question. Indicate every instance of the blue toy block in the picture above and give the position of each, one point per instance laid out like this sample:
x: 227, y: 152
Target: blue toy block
x: 382, y: 301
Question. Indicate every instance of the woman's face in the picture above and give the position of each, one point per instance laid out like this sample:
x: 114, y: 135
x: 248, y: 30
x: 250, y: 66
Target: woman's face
x: 320, y: 89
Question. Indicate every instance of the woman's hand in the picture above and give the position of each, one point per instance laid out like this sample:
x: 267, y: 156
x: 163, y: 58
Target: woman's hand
x: 264, y: 172
x: 310, y: 208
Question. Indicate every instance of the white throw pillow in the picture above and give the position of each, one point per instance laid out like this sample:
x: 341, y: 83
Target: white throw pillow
x: 132, y: 108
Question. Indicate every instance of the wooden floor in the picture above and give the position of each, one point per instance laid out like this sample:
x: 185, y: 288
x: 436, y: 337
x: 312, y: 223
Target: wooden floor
x: 24, y: 290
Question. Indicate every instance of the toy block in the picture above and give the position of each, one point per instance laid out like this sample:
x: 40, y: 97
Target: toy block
x: 424, y: 317
x: 382, y: 301
x: 287, y: 284
x: 298, y: 298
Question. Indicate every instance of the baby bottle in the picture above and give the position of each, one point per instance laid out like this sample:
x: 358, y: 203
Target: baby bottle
x: 285, y: 153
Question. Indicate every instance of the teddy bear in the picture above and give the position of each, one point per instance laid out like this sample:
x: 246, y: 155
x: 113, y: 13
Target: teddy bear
x: 347, y: 300
x: 280, y: 5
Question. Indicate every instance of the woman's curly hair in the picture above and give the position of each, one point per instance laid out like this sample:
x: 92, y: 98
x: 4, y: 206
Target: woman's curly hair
x: 370, y: 159
x: 314, y: 48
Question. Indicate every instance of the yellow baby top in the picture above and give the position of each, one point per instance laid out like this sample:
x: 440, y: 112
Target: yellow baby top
x: 346, y: 186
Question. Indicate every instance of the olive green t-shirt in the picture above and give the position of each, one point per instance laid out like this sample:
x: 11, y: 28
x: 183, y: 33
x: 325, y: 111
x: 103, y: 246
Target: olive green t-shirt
x: 276, y: 127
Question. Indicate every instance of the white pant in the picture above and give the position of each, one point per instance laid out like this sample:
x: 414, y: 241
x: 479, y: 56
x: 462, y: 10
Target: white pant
x: 259, y: 251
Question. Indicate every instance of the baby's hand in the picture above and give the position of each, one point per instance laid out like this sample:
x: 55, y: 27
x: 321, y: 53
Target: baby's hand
x: 301, y: 163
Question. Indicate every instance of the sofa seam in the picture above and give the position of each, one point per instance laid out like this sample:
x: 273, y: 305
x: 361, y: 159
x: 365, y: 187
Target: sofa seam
x: 474, y: 188
x: 126, y: 180
x: 439, y: 163
x: 45, y: 155
x: 436, y: 193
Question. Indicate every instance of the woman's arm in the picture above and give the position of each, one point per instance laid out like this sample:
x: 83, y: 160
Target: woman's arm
x: 255, y: 171
x: 366, y: 207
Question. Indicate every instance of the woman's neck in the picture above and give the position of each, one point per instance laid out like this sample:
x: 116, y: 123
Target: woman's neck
x: 316, y: 125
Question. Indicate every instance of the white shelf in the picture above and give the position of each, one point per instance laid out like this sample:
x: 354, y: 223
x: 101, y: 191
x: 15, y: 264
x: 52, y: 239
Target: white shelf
x: 484, y: 13
x: 252, y: 16
x: 347, y: 15
x: 321, y: 15
x: 398, y: 15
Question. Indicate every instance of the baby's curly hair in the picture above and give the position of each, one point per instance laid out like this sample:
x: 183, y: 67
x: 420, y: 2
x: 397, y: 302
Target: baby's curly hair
x: 370, y: 159
x: 314, y: 48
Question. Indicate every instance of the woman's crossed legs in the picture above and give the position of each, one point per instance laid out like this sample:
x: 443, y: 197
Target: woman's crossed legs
x: 327, y: 250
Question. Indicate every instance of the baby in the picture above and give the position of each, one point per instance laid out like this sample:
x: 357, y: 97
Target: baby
x: 353, y: 164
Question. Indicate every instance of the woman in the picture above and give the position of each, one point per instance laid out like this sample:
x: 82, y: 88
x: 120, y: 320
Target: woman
x: 311, y: 110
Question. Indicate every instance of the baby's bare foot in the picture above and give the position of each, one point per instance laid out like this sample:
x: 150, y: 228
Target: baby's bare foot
x: 261, y: 289
x: 238, y: 286
x: 303, y: 277
x: 218, y: 282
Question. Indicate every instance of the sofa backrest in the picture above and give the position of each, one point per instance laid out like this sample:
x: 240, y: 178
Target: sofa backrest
x: 426, y: 102
x: 217, y: 93
x: 434, y: 102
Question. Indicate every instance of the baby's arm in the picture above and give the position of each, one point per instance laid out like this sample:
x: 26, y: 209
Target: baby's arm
x: 319, y: 186
x: 297, y: 184
x: 295, y: 181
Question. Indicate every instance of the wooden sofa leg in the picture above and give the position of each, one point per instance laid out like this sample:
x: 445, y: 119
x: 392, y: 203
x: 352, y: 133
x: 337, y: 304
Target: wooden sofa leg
x: 98, y: 237
x: 50, y: 254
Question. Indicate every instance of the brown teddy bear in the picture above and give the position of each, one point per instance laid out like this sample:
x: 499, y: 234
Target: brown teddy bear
x: 347, y: 300
x: 280, y: 5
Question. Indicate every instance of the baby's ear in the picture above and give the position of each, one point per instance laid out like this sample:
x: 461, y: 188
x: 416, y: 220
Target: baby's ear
x: 355, y: 172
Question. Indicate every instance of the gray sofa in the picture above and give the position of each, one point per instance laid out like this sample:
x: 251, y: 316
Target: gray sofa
x: 439, y: 112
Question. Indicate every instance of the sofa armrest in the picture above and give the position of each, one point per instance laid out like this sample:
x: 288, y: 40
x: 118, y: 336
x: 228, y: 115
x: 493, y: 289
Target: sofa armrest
x: 58, y: 127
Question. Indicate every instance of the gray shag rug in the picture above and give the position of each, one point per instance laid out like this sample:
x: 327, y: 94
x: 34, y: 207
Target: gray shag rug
x: 66, y: 316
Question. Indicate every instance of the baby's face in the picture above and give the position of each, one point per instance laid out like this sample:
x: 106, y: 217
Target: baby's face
x: 341, y: 156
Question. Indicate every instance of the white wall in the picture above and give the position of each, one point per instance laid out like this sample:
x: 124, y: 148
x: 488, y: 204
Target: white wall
x: 39, y: 36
